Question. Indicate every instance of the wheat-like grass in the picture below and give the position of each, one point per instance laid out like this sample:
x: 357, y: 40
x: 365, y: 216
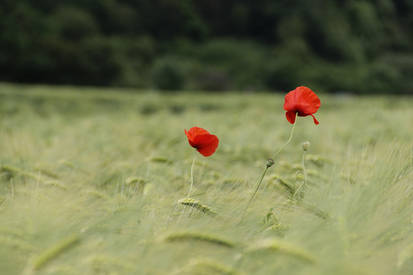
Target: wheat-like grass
x: 201, y: 266
x: 197, y: 205
x: 11, y: 171
x: 14, y: 171
x: 281, y: 246
x: 365, y: 228
x: 287, y: 186
x: 317, y: 160
x: 314, y: 210
x: 103, y: 261
x: 405, y: 255
x: 135, y: 181
x: 97, y: 194
x: 202, y: 237
x: 47, y: 256
x: 48, y: 173
x: 16, y: 244
x: 161, y: 160
x: 54, y: 183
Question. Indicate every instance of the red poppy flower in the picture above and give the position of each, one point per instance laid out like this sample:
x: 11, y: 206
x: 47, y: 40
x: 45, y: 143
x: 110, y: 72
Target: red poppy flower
x: 202, y: 140
x: 302, y: 102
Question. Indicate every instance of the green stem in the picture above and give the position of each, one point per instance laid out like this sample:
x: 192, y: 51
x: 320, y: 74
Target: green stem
x: 270, y: 162
x: 192, y: 177
x: 258, y: 184
x: 305, y: 177
x: 289, y: 138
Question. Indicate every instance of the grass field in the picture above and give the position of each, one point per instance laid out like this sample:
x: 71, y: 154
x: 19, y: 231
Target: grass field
x: 92, y: 182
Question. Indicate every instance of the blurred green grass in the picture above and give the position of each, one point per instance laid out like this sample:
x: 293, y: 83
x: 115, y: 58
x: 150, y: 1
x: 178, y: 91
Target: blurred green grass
x: 90, y: 181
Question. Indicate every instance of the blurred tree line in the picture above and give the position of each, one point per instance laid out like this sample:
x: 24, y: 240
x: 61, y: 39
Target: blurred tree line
x: 353, y: 45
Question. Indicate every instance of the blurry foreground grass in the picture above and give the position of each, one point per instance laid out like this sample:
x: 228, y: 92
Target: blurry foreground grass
x: 95, y: 182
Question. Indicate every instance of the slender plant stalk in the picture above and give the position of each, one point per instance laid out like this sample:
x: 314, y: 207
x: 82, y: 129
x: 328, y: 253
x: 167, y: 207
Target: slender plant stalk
x: 270, y: 162
x: 305, y: 176
x: 289, y: 139
x: 192, y: 177
x: 258, y: 184
x: 51, y: 253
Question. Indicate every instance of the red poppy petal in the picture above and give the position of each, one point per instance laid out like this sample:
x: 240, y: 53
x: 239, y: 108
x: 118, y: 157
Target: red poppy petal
x: 190, y: 141
x: 307, y: 101
x: 291, y: 115
x: 315, y: 120
x: 206, y: 144
x: 193, y: 133
x: 290, y: 101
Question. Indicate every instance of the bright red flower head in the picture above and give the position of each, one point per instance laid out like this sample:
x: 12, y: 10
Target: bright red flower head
x: 302, y: 102
x: 202, y: 140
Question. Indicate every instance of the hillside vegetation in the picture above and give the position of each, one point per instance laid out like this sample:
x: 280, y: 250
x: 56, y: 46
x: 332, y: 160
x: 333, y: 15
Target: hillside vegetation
x: 363, y: 46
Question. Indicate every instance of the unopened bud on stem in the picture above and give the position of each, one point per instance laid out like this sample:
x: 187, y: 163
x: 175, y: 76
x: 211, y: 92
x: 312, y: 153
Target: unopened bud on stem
x: 270, y: 162
x: 306, y: 145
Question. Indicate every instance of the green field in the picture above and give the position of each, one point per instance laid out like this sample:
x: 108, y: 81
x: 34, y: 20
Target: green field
x: 91, y: 182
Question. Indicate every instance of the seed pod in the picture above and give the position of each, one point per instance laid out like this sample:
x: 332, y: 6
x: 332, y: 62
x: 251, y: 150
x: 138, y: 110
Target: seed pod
x: 306, y: 145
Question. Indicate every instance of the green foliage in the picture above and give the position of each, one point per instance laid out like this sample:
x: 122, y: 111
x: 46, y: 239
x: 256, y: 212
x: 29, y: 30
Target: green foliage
x: 74, y: 24
x: 167, y: 74
x: 231, y: 45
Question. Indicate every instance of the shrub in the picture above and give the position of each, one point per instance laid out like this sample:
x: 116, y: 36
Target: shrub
x: 167, y: 73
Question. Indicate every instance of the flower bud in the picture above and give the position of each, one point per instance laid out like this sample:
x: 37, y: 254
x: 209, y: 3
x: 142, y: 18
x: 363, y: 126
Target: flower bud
x: 270, y: 162
x: 306, y: 145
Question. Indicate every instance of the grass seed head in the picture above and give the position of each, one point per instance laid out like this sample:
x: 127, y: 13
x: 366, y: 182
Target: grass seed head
x: 281, y: 246
x: 207, y: 267
x: 306, y: 145
x: 192, y: 236
x: 197, y: 205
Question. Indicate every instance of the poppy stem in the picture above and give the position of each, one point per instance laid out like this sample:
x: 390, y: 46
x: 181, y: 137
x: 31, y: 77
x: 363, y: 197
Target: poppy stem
x: 305, y: 177
x: 192, y: 177
x: 270, y: 162
x: 289, y: 138
x: 258, y: 184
